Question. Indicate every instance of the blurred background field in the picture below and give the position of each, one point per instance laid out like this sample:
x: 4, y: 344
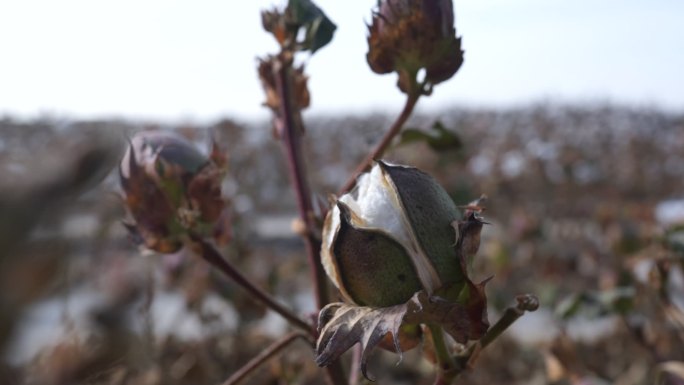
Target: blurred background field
x: 586, y: 204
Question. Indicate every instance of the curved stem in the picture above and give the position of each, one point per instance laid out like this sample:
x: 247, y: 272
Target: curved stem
x: 262, y: 358
x: 380, y: 148
x: 446, y: 371
x: 214, y: 258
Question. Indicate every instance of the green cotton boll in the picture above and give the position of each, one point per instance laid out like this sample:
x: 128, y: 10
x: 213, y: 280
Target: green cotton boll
x: 391, y: 237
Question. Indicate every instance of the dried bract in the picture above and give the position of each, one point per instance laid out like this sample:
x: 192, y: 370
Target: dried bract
x: 406, y: 36
x: 170, y: 188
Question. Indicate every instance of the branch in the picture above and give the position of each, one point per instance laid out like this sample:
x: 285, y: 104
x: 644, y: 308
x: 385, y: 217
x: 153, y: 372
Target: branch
x: 446, y: 367
x: 525, y: 303
x: 290, y: 135
x: 380, y: 148
x: 263, y: 357
x: 214, y: 258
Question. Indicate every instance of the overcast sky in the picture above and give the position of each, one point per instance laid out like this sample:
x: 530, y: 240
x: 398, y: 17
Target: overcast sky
x: 195, y: 59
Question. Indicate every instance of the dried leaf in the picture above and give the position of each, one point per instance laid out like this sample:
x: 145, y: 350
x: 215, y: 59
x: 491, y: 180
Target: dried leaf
x: 341, y: 325
x: 300, y: 96
x: 268, y: 83
x: 273, y: 22
x: 204, y: 192
x: 223, y: 228
x: 468, y: 233
x: 150, y: 208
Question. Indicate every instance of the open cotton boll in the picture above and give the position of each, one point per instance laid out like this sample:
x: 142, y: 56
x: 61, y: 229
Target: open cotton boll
x: 391, y: 236
x: 373, y: 206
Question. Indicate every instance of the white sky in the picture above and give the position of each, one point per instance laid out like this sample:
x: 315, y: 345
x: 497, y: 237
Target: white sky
x: 173, y: 59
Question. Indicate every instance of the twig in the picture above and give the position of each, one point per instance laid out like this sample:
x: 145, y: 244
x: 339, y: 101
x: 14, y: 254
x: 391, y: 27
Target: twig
x: 525, y: 302
x: 290, y: 135
x: 214, y: 258
x: 291, y: 138
x: 380, y: 148
x: 263, y: 357
x: 446, y: 367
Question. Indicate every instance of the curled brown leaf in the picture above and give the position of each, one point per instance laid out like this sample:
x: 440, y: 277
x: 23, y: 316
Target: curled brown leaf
x: 341, y: 325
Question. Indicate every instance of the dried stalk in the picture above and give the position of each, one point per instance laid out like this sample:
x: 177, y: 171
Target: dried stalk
x: 290, y: 135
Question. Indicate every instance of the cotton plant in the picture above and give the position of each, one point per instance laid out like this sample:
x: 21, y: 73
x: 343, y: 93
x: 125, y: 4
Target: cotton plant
x: 394, y: 245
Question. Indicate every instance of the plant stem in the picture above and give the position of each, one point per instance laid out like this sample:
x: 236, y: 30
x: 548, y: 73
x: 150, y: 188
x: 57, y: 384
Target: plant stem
x: 291, y: 138
x: 263, y: 357
x: 380, y: 148
x: 290, y: 135
x: 214, y: 258
x: 446, y: 370
x: 526, y: 302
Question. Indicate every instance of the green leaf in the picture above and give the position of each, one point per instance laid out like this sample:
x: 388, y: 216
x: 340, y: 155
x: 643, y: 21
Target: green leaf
x: 619, y: 300
x: 438, y: 137
x: 319, y: 28
x: 570, y: 306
